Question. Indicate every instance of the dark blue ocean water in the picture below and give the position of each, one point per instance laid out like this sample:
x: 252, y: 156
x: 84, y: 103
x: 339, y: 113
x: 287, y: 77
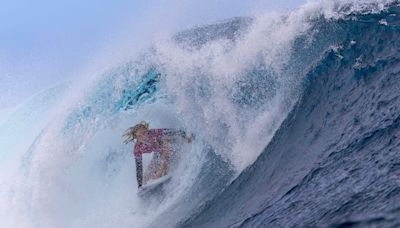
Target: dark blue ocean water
x: 335, y: 161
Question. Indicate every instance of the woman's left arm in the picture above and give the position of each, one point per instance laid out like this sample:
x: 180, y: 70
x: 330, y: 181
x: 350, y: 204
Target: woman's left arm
x: 181, y: 133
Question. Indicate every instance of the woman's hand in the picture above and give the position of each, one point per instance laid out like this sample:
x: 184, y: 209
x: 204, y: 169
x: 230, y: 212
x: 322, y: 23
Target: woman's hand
x: 190, y: 138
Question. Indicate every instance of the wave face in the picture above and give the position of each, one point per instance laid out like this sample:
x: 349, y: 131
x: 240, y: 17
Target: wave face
x: 295, y: 117
x: 334, y: 161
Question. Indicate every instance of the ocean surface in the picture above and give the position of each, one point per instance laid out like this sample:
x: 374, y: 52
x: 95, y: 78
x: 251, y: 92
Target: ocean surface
x: 296, y: 118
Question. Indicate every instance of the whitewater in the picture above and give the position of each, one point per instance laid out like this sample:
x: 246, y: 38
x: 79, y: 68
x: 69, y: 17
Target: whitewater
x: 295, y: 116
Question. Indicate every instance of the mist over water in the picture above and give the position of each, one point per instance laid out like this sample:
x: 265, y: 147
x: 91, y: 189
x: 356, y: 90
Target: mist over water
x: 231, y: 84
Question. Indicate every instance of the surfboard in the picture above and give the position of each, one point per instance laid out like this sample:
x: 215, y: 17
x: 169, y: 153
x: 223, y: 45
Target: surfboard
x: 153, y: 185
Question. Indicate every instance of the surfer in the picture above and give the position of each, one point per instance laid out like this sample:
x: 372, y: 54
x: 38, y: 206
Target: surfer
x: 155, y: 141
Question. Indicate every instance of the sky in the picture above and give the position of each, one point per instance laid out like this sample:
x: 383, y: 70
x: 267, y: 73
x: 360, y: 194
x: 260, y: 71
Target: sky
x: 44, y: 42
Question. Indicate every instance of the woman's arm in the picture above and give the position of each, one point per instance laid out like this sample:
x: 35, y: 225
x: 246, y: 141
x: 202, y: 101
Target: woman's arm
x: 181, y: 133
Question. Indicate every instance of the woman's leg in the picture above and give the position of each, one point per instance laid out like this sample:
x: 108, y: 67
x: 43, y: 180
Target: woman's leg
x: 164, y: 159
x: 139, y: 171
x: 159, y: 164
x: 152, y: 168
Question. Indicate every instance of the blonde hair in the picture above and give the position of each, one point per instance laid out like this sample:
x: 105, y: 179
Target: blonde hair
x: 130, y: 133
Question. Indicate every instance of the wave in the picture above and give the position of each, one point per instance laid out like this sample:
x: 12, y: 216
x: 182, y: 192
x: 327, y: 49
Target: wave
x: 254, y: 91
x: 332, y: 161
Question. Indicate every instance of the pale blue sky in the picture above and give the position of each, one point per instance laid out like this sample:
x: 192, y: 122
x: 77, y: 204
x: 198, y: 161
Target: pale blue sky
x: 45, y: 42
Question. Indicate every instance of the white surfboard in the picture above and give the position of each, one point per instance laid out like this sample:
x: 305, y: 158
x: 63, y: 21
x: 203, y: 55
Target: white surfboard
x: 153, y: 184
